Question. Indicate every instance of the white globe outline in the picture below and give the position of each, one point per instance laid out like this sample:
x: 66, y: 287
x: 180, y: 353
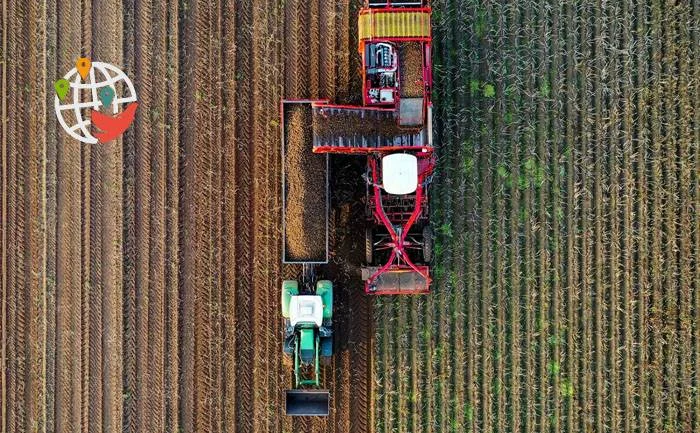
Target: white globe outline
x: 95, y: 103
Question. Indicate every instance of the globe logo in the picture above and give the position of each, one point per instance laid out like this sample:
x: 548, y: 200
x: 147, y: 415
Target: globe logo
x: 92, y: 94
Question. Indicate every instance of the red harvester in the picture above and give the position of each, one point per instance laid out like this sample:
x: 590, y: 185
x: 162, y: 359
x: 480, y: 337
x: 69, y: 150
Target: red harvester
x: 393, y: 129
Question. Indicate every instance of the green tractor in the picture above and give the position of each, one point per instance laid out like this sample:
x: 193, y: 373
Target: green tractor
x: 308, y: 340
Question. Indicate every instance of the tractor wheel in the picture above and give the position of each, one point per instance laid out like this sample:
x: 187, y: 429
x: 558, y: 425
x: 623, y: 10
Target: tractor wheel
x: 427, y: 244
x: 326, y: 360
x: 369, y: 246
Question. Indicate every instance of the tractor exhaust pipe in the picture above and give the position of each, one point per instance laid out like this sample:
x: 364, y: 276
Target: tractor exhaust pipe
x: 306, y: 402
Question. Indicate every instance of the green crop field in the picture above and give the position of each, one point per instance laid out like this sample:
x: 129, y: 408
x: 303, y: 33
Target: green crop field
x: 566, y: 294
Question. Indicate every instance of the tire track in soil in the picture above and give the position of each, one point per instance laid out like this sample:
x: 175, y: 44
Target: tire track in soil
x: 216, y: 312
x: 143, y: 174
x: 229, y: 201
x: 24, y: 184
x: 274, y: 228
x: 106, y: 179
x: 401, y: 365
x: 262, y: 284
x: 16, y: 222
x: 3, y: 222
x: 157, y: 295
x: 129, y: 233
x: 172, y: 256
x: 68, y: 257
x: 92, y: 193
x: 383, y: 365
x: 197, y: 177
x: 51, y: 211
x: 327, y: 55
x: 343, y: 49
x: 244, y: 206
x: 292, y: 50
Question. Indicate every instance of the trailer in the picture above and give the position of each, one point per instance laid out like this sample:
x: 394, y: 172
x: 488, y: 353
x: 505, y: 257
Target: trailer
x: 307, y: 303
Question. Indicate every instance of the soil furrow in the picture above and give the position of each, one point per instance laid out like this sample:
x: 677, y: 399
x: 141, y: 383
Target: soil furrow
x: 172, y: 278
x: 143, y: 43
x: 68, y: 257
x: 107, y: 22
x: 261, y: 285
x: 229, y: 272
x: 4, y: 14
x: 244, y: 207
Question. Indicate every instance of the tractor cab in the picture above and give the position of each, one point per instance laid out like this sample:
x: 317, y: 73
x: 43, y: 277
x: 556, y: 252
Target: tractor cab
x: 308, y: 340
x: 306, y: 314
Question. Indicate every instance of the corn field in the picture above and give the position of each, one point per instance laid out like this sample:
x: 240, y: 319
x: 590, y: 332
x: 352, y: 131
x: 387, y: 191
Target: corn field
x: 567, y: 290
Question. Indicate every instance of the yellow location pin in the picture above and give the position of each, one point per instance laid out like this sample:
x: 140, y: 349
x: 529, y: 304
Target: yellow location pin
x: 83, y: 65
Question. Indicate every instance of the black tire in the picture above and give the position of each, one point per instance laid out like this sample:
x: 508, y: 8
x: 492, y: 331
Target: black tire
x: 369, y: 246
x: 427, y: 244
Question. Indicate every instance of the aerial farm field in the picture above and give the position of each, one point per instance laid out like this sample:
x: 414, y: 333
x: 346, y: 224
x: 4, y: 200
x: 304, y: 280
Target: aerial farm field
x: 141, y: 278
x: 567, y: 295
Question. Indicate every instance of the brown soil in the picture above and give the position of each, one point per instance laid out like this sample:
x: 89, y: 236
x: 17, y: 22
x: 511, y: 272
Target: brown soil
x: 140, y: 279
x: 411, y: 67
x: 306, y: 194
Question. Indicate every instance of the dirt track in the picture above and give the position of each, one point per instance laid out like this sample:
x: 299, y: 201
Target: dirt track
x: 141, y: 278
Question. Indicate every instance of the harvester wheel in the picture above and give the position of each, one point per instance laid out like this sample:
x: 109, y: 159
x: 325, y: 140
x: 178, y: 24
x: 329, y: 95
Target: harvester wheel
x: 427, y: 244
x: 369, y: 246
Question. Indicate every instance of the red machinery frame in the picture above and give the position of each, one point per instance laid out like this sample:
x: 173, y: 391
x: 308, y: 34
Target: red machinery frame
x: 397, y: 242
x: 427, y: 71
x: 396, y: 230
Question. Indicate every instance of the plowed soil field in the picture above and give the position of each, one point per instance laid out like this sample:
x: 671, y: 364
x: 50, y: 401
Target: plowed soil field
x: 566, y: 206
x: 141, y: 279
